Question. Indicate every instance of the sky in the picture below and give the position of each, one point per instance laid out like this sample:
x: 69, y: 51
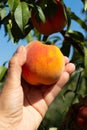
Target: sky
x: 7, y: 48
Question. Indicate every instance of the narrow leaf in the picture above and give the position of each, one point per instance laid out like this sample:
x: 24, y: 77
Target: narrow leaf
x: 9, y: 26
x: 85, y: 4
x: 2, y: 72
x: 30, y: 37
x: 22, y: 15
x: 53, y: 128
x: 85, y: 60
x: 78, y: 36
x: 79, y: 20
x: 2, y: 13
x: 41, y: 14
x: 1, y: 86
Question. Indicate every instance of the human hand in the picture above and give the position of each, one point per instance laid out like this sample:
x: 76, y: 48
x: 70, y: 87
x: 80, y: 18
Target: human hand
x: 22, y: 106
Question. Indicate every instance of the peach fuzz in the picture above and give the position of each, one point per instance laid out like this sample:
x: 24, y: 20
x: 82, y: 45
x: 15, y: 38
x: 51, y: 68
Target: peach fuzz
x: 44, y: 63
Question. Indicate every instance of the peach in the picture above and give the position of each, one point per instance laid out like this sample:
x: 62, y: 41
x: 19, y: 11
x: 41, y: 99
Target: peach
x: 44, y: 63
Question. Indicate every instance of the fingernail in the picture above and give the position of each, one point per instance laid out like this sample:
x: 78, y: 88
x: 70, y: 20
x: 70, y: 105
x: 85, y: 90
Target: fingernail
x: 20, y: 49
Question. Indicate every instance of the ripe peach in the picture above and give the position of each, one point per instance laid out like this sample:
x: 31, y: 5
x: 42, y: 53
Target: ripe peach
x: 55, y: 16
x: 82, y: 118
x: 44, y: 63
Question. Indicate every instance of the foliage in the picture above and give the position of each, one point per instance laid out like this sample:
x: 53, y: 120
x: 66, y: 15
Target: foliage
x: 3, y: 71
x: 15, y: 15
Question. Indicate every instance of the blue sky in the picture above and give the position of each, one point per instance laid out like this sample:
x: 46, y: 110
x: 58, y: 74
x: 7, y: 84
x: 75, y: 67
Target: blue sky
x: 7, y: 48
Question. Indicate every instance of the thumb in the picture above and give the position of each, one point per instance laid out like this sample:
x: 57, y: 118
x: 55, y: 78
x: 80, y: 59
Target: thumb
x: 13, y: 80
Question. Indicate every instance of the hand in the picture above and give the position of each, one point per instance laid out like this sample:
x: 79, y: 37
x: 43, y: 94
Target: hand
x: 22, y: 106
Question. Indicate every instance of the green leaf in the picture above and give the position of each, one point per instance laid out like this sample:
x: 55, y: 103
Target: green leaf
x: 1, y: 86
x: 53, y: 128
x: 78, y: 20
x: 85, y: 4
x: 9, y: 26
x: 78, y: 36
x: 15, y: 33
x: 68, y: 19
x: 13, y: 4
x: 30, y: 37
x: 22, y: 15
x: 2, y: 13
x: 85, y: 61
x: 2, y: 72
x: 41, y: 14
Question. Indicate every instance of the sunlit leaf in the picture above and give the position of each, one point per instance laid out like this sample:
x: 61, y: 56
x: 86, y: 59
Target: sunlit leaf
x: 22, y: 15
x: 2, y: 72
x: 2, y: 13
x: 53, y: 128
x: 13, y: 4
x: 41, y: 14
x: 85, y: 4
x: 9, y: 26
x: 30, y: 36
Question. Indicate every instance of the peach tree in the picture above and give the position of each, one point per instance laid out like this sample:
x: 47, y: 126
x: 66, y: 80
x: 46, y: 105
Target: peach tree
x: 19, y: 23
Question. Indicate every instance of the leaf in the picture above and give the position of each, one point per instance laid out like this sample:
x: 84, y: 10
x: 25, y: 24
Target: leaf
x: 22, y: 15
x: 13, y: 4
x: 2, y: 72
x: 66, y: 48
x: 53, y: 128
x: 85, y: 61
x: 2, y: 13
x: 9, y: 26
x: 30, y: 37
x: 78, y: 36
x: 16, y: 32
x: 1, y: 86
x: 85, y: 4
x: 78, y: 20
x: 41, y: 14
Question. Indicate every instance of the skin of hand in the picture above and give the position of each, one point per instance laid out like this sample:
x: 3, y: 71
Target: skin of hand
x: 22, y: 106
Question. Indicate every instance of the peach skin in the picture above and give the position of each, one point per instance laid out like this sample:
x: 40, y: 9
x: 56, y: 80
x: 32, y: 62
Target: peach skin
x: 44, y: 63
